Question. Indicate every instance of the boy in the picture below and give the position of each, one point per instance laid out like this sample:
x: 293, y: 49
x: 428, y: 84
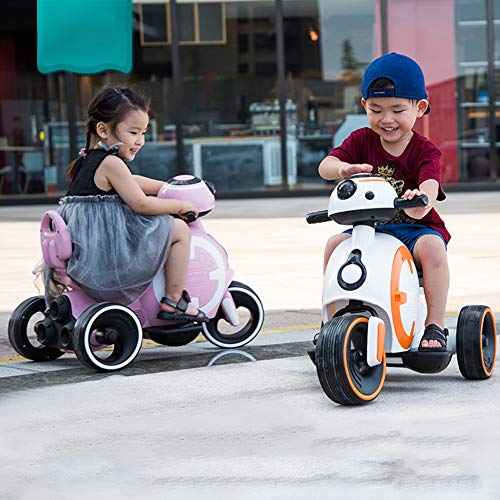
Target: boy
x: 394, y: 96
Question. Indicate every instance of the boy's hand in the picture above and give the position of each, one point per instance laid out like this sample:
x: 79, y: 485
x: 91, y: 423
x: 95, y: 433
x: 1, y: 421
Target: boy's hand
x: 417, y: 212
x: 356, y: 168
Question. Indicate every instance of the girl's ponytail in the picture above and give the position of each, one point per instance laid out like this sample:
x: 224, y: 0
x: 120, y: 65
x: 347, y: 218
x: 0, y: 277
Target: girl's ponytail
x: 74, y: 166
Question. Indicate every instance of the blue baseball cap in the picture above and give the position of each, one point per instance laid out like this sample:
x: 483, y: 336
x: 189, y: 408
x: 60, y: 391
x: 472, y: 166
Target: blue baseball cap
x: 402, y: 71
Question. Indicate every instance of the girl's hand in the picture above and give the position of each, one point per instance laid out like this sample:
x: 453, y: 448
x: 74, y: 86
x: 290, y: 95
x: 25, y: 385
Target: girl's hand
x: 357, y: 168
x: 187, y: 206
x: 417, y: 212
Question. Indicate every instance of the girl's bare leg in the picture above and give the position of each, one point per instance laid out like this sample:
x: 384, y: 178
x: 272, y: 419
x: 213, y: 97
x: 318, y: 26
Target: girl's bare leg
x: 177, y: 265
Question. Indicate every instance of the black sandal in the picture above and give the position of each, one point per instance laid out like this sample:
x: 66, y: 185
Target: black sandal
x: 434, y: 332
x: 180, y: 310
x: 312, y: 355
x: 312, y: 352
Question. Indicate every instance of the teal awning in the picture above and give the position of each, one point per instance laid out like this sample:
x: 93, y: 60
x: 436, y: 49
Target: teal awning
x: 84, y: 36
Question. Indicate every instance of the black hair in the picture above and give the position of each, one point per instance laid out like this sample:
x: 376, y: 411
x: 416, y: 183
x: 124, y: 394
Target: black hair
x: 110, y: 105
x: 385, y: 83
x: 382, y: 83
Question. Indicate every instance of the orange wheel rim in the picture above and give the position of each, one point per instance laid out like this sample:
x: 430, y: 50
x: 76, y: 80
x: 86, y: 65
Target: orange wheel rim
x: 487, y: 311
x: 347, y: 339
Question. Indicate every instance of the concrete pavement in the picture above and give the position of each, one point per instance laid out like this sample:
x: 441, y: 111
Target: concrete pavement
x: 274, y: 250
x: 250, y: 431
x: 277, y: 253
x: 167, y: 428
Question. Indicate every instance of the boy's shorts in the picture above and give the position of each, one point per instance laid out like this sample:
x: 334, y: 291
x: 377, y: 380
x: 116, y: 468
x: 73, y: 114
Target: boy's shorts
x: 406, y: 233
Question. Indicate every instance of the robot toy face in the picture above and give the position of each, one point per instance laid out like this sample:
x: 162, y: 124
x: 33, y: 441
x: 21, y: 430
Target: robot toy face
x: 190, y: 188
x: 362, y: 198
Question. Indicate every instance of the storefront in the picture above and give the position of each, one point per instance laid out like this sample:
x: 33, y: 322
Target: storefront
x: 251, y: 94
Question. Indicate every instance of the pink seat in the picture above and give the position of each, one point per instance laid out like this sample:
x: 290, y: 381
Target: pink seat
x: 56, y: 244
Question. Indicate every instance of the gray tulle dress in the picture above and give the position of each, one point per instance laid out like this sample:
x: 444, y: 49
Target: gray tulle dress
x: 116, y: 252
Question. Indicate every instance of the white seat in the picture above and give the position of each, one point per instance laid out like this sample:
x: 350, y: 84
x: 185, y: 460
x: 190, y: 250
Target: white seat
x: 33, y: 166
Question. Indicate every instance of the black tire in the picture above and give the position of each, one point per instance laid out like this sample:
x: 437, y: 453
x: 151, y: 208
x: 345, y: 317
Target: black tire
x: 244, y: 297
x: 19, y: 331
x: 341, y: 364
x: 174, y: 339
x: 103, y: 318
x: 476, y: 342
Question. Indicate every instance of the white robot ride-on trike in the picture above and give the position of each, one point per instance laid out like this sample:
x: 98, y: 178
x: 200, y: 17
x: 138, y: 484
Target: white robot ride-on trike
x: 374, y: 307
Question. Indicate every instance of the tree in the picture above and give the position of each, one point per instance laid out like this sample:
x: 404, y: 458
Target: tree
x: 349, y: 61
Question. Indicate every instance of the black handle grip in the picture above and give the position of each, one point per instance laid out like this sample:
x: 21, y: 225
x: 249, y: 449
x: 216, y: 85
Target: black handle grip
x: 418, y: 201
x: 316, y: 217
x: 189, y: 216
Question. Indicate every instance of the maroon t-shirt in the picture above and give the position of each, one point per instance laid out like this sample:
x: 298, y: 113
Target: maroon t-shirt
x: 421, y: 160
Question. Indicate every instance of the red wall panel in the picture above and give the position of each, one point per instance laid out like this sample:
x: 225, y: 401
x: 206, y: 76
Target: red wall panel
x: 425, y: 31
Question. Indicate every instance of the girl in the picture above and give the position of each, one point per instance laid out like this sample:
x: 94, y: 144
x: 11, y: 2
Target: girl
x: 122, y: 237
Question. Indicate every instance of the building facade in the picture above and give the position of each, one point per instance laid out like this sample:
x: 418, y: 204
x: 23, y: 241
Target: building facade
x: 252, y: 94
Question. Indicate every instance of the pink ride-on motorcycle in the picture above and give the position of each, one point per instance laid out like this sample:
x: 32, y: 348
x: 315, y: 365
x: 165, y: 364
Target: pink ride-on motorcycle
x: 108, y: 336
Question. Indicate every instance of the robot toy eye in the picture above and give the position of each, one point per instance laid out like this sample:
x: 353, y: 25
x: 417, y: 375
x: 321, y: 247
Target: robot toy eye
x: 346, y: 189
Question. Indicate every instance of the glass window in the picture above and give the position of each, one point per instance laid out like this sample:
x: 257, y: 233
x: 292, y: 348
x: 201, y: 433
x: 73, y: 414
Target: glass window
x: 329, y: 44
x: 230, y: 110
x: 231, y: 120
x: 185, y: 19
x: 230, y: 99
x: 210, y: 16
x: 473, y: 94
x: 448, y: 40
x: 201, y: 22
x: 24, y: 105
x: 153, y: 23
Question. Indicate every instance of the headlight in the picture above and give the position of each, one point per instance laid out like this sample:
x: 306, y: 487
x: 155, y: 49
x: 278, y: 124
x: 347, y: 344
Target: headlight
x: 346, y: 189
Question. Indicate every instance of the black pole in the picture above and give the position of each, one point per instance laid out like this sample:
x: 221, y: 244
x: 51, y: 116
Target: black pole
x: 70, y: 89
x: 51, y: 113
x: 490, y: 30
x: 176, y: 74
x: 383, y: 26
x: 280, y: 54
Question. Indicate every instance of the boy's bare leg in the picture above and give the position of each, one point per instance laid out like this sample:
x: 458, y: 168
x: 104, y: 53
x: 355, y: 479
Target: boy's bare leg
x: 430, y: 255
x: 331, y: 245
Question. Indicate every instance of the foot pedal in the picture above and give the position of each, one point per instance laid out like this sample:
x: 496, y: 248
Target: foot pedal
x: 426, y: 362
x: 190, y: 326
